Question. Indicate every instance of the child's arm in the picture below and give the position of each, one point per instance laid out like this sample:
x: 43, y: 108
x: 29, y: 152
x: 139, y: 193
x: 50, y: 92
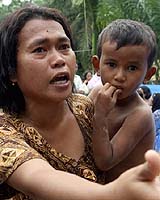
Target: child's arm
x: 108, y: 153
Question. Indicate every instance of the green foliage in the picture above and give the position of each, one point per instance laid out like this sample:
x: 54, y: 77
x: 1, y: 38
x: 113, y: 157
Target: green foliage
x: 147, y: 11
x: 77, y: 2
x: 88, y: 17
x: 107, y: 12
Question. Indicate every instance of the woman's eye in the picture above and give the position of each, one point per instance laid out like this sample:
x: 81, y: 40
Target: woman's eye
x: 132, y: 68
x: 39, y: 50
x: 65, y: 46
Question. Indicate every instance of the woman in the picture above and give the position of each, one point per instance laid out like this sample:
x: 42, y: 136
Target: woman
x: 45, y: 130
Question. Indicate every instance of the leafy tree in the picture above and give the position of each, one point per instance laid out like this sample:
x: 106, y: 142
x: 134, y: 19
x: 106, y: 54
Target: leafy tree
x: 88, y: 17
x: 147, y: 11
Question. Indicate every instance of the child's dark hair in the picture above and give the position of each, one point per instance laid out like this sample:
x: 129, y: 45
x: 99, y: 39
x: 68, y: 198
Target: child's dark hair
x: 128, y: 32
x: 11, y: 97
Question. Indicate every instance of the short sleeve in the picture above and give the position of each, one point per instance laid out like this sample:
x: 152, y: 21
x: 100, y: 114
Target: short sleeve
x: 83, y: 109
x: 13, y: 152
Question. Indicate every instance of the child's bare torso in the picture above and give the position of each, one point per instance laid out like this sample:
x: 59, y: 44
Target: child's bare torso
x: 127, y: 121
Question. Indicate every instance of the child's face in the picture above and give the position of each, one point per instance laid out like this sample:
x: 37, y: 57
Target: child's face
x: 124, y: 68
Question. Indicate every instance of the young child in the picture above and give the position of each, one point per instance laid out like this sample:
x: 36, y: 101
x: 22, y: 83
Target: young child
x: 126, y: 51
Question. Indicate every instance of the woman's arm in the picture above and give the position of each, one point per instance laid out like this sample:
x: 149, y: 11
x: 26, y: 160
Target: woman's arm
x: 39, y: 180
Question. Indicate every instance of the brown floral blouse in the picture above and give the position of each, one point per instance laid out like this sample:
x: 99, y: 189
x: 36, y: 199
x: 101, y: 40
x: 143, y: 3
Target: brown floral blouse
x: 20, y: 142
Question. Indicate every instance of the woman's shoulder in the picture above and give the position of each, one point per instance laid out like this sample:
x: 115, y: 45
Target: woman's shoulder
x: 80, y: 98
x: 82, y: 107
x: 80, y: 102
x: 6, y: 126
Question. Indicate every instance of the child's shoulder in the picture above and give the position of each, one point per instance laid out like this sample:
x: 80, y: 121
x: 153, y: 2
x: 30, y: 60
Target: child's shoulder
x: 139, y: 110
x: 142, y: 114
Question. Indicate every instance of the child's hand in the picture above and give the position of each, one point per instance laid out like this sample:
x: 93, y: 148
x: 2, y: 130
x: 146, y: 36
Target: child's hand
x: 106, y: 99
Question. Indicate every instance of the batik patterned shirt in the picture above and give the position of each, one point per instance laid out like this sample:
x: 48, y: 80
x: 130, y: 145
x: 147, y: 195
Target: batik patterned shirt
x: 20, y: 143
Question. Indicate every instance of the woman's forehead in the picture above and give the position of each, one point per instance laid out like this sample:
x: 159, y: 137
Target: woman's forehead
x: 38, y: 29
x: 35, y: 25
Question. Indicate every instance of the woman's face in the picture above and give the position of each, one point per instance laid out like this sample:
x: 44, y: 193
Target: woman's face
x: 45, y: 62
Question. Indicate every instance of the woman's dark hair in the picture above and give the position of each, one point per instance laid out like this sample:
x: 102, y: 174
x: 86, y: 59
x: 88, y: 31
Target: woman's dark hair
x: 11, y: 98
x: 156, y: 102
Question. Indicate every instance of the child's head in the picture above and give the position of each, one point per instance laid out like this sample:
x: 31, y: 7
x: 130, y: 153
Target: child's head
x: 128, y: 32
x: 126, y: 51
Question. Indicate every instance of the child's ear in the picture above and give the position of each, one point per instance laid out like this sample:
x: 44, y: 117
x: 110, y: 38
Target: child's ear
x: 95, y: 62
x: 151, y: 71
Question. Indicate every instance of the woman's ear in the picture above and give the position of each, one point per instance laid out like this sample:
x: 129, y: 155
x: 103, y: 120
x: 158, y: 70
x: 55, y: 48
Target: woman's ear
x: 95, y: 62
x: 151, y: 71
x: 13, y: 78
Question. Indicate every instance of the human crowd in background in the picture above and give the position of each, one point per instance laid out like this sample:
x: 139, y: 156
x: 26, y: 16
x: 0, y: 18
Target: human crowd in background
x: 85, y: 83
x: 153, y: 100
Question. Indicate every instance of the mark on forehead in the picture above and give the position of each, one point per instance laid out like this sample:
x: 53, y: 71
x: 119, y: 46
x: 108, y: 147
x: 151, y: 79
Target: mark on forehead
x: 50, y: 31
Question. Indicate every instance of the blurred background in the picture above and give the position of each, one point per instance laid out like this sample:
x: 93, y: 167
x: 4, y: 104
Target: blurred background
x: 88, y: 17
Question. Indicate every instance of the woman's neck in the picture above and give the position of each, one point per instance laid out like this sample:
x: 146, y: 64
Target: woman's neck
x: 45, y: 115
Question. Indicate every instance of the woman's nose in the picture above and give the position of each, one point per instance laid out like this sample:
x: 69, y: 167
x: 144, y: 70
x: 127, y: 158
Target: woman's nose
x: 56, y: 59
